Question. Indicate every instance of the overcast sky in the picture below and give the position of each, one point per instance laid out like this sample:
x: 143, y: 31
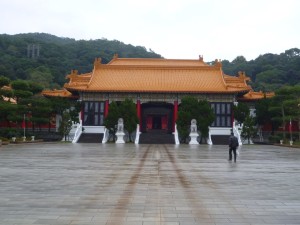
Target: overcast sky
x: 180, y: 29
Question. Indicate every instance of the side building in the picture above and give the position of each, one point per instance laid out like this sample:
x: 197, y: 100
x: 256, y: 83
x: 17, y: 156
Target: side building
x: 157, y: 87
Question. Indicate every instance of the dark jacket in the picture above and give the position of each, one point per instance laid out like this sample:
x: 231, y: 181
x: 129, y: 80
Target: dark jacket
x: 233, y: 141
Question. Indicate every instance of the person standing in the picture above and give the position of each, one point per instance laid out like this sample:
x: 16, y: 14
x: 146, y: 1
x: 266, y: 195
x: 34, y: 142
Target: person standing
x: 233, y: 144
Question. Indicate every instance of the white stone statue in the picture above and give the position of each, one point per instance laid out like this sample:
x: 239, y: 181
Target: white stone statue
x: 120, y: 132
x: 194, y: 126
x: 193, y: 133
x: 120, y: 127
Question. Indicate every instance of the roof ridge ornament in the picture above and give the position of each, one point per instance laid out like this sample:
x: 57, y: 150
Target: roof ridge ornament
x: 97, y: 62
x: 218, y: 63
x: 73, y: 74
x: 116, y: 55
x: 201, y: 58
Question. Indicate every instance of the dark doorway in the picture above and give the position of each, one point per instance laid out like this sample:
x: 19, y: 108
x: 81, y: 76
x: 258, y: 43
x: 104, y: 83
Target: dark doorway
x: 157, y: 117
x: 156, y: 122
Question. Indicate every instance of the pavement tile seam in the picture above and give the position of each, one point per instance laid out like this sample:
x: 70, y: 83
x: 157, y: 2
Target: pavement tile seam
x: 148, y: 184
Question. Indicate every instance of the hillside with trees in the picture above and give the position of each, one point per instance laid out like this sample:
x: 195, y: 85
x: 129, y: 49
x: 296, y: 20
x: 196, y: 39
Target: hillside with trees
x: 268, y: 72
x: 46, y: 59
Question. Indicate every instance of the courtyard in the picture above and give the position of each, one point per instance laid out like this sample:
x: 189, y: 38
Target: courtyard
x: 109, y: 184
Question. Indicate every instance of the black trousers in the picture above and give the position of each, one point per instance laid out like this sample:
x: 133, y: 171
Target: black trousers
x: 232, y: 149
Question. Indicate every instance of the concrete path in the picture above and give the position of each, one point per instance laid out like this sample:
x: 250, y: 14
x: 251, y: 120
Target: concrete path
x: 148, y: 185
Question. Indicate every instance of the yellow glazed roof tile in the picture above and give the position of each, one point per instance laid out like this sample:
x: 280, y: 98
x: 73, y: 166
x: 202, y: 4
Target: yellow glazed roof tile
x: 57, y: 93
x: 156, y: 75
x: 254, y: 96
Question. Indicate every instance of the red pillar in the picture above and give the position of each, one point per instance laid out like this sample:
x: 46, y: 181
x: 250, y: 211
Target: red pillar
x: 106, y: 108
x: 175, y: 114
x: 232, y: 116
x: 138, y: 109
x: 82, y: 113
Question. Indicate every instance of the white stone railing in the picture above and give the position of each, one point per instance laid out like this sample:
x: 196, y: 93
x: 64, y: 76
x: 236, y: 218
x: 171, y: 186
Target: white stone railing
x: 176, y: 137
x: 208, y: 140
x: 237, y: 130
x: 137, y: 136
x: 77, y: 133
x: 105, y: 136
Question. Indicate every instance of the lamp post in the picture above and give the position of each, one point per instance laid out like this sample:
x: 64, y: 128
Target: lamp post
x: 24, y: 128
x: 291, y: 134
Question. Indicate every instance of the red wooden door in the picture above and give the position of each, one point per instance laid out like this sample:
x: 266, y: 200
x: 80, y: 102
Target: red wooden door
x: 149, y: 122
x: 164, y: 122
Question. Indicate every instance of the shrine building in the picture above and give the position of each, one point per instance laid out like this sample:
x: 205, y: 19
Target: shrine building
x: 157, y: 87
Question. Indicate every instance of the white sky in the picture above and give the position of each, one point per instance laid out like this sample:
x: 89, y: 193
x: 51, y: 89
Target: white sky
x: 180, y: 29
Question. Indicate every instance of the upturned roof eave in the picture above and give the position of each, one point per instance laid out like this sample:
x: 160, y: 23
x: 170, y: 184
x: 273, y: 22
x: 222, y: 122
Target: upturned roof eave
x: 160, y: 91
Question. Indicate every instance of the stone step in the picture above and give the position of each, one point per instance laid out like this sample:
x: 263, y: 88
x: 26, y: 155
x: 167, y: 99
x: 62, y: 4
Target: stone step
x: 220, y: 139
x: 156, y: 138
x: 90, y: 138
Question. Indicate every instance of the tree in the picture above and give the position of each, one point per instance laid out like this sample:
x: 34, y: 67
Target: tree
x: 8, y: 112
x: 206, y: 117
x: 183, y: 124
x: 241, y: 111
x: 249, y: 130
x: 4, y: 81
x: 42, y: 75
x: 285, y: 106
x: 190, y: 108
x: 111, y: 120
x: 129, y: 115
x: 127, y: 111
x: 65, y: 124
x: 21, y: 89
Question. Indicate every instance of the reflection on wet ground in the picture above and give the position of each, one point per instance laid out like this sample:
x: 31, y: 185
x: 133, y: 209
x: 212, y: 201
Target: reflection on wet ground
x: 131, y: 184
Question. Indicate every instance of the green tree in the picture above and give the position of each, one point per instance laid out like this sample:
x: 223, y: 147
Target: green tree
x: 206, y: 117
x: 190, y: 108
x: 111, y: 120
x: 241, y: 111
x: 8, y: 112
x: 249, y: 129
x: 183, y: 124
x: 127, y: 111
x: 129, y: 115
x: 42, y: 75
x: 21, y: 89
x: 65, y: 125
x: 4, y: 81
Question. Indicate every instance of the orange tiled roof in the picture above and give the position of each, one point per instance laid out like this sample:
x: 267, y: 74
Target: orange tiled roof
x: 156, y: 62
x: 57, y: 93
x: 156, y: 75
x: 253, y: 96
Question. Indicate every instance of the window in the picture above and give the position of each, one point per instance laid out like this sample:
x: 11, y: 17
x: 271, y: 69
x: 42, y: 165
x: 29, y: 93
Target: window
x: 93, y: 113
x: 222, y: 112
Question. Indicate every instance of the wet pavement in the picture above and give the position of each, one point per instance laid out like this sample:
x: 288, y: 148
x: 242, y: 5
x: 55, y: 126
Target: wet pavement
x: 148, y: 185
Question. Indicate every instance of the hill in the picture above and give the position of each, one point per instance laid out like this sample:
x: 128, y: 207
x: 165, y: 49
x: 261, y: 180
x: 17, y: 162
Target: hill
x: 47, y: 58
x: 268, y: 72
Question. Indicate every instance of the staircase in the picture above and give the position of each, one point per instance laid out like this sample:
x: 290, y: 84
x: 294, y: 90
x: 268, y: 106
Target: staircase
x: 220, y: 139
x: 90, y: 138
x: 156, y: 137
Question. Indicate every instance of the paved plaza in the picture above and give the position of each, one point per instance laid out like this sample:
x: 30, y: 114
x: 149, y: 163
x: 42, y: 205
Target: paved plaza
x: 109, y: 184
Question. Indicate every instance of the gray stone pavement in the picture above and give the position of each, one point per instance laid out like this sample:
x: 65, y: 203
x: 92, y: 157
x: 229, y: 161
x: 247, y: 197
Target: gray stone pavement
x: 148, y: 185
